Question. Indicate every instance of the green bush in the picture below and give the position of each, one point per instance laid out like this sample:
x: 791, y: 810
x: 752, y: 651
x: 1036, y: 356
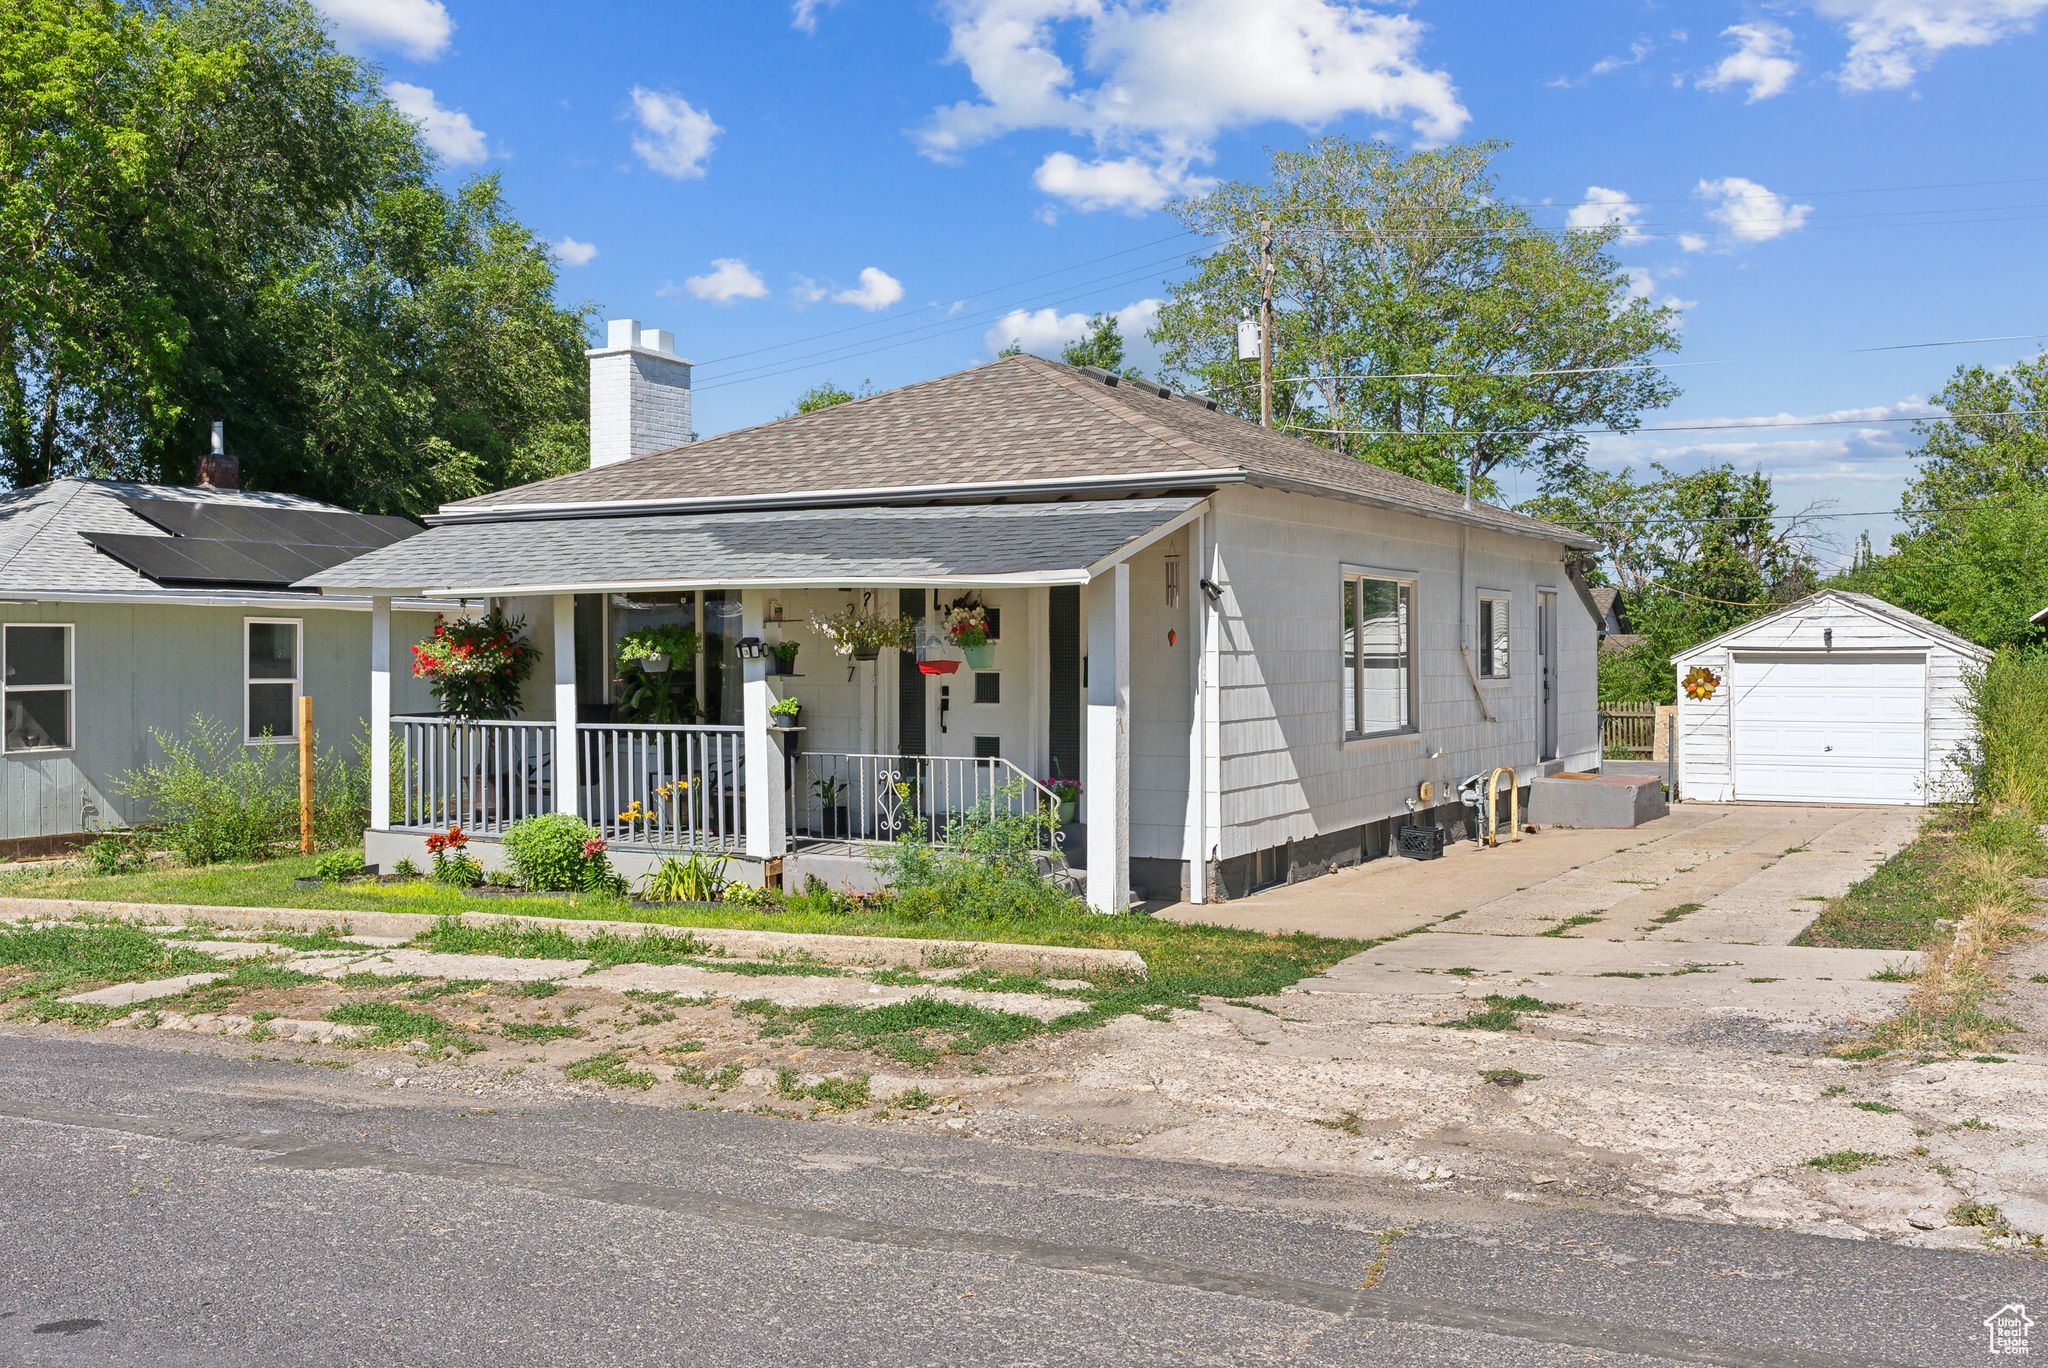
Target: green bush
x: 337, y: 865
x: 698, y: 878
x: 458, y: 869
x: 550, y: 853
x: 987, y: 869
x: 2008, y: 701
x: 213, y: 797
x: 117, y: 852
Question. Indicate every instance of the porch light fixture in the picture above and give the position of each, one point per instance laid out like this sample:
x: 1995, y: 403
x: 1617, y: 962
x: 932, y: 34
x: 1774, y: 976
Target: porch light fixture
x: 1212, y: 589
x: 750, y: 648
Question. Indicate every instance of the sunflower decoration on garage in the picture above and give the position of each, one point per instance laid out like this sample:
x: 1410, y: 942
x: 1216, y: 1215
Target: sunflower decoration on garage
x: 1700, y: 683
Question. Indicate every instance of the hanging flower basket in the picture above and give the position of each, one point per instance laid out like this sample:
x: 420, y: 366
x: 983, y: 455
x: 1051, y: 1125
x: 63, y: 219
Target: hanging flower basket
x: 982, y: 657
x: 863, y: 633
x: 938, y: 666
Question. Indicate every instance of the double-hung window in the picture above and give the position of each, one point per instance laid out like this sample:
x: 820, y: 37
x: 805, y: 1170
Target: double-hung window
x: 1493, y: 634
x: 35, y: 687
x: 1377, y: 649
x: 273, y: 658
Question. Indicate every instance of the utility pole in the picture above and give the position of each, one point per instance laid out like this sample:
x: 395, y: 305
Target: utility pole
x: 1266, y: 322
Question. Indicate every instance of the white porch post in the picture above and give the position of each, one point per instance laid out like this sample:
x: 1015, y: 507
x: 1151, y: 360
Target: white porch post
x: 1107, y: 786
x: 767, y: 806
x: 380, y: 714
x: 1197, y: 838
x: 568, y: 782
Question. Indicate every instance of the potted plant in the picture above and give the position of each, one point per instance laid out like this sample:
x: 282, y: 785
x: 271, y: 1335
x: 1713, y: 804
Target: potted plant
x: 651, y: 681
x: 831, y: 812
x: 476, y: 666
x: 967, y: 624
x: 863, y: 633
x: 783, y: 711
x: 783, y: 654
x: 1067, y: 793
x: 656, y: 648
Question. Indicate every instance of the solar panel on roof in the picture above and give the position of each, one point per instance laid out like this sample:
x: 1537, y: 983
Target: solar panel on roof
x: 264, y: 523
x: 250, y: 545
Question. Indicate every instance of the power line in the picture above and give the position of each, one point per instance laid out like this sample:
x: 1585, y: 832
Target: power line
x: 1743, y: 425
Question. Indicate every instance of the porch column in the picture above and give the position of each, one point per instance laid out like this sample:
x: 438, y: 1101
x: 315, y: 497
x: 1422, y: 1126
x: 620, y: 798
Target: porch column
x: 568, y: 781
x: 1107, y: 786
x: 380, y: 713
x: 767, y: 805
x: 1198, y: 611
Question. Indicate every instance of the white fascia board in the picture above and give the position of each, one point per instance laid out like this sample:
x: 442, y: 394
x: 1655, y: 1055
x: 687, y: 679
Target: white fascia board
x: 1033, y: 579
x: 888, y: 494
x: 353, y: 601
x: 1143, y: 540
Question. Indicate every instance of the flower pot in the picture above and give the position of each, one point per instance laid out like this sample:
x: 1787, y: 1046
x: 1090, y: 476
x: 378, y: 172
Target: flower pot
x: 786, y: 719
x: 1069, y: 811
x: 937, y: 667
x: 833, y: 819
x: 867, y: 652
x: 778, y: 665
x: 654, y: 664
x: 982, y: 657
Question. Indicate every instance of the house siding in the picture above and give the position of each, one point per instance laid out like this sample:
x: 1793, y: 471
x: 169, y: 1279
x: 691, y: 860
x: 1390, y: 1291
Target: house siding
x: 1706, y: 771
x: 144, y: 666
x: 1286, y: 774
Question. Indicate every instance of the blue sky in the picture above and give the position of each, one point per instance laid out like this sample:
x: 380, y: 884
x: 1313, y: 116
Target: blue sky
x: 861, y: 190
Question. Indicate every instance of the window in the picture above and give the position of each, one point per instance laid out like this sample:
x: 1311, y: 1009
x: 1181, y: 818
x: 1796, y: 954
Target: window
x: 270, y: 679
x: 988, y: 687
x: 1493, y: 635
x: 35, y: 686
x: 988, y: 747
x: 1377, y: 650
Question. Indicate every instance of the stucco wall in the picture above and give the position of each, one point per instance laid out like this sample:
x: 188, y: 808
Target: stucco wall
x: 153, y: 665
x: 1286, y: 771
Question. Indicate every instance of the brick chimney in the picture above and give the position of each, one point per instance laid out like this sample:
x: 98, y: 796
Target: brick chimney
x: 639, y: 393
x: 217, y: 469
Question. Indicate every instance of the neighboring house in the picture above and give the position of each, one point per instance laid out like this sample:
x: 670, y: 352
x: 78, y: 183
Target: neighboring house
x: 1839, y: 698
x: 1253, y: 653
x: 127, y: 607
x: 1616, y: 632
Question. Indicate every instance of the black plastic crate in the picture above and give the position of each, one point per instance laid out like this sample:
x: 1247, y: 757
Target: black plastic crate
x: 1419, y: 842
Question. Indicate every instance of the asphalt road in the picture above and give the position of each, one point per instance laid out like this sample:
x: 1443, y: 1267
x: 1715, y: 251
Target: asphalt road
x: 163, y: 1207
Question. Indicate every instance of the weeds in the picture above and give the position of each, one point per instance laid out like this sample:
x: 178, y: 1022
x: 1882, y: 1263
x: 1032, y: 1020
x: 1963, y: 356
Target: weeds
x: 1502, y: 1013
x: 609, y: 1068
x: 1845, y: 1161
x: 391, y: 1025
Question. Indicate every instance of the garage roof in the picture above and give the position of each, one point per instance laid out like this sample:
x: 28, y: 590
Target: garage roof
x: 1875, y: 607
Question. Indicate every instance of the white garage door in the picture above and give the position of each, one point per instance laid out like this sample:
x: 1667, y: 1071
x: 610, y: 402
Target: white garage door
x: 1830, y: 729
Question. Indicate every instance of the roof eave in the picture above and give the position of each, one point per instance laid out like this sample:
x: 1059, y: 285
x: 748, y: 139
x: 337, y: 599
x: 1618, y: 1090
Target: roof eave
x: 1531, y: 527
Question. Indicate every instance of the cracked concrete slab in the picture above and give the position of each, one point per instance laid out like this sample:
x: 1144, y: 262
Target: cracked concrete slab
x: 127, y: 994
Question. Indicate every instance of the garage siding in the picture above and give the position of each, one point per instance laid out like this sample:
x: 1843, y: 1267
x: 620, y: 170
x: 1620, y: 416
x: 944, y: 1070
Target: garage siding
x: 1706, y: 768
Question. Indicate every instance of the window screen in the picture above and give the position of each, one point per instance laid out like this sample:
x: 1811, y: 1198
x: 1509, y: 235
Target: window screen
x: 35, y: 687
x: 1376, y: 655
x: 271, y: 680
x: 1493, y: 636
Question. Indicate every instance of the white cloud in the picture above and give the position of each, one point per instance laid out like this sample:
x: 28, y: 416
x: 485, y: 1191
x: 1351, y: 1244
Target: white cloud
x: 808, y: 291
x: 572, y: 252
x: 877, y: 290
x: 1160, y: 79
x: 675, y: 137
x: 1747, y: 213
x: 1128, y: 183
x: 803, y: 14
x: 1763, y: 60
x: 1046, y: 332
x: 448, y: 131
x: 1637, y: 51
x: 1642, y: 284
x: 1602, y: 207
x: 728, y: 279
x: 418, y: 29
x: 1892, y: 41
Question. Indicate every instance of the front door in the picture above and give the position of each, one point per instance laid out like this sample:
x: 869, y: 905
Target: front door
x: 1546, y: 670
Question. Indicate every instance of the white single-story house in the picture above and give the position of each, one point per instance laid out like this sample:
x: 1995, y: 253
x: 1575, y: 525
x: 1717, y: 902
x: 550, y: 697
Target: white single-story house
x: 1256, y: 656
x: 1839, y: 698
x: 131, y: 607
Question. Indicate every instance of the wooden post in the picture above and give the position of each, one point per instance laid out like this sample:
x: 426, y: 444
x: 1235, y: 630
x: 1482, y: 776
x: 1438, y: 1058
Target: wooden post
x: 305, y: 774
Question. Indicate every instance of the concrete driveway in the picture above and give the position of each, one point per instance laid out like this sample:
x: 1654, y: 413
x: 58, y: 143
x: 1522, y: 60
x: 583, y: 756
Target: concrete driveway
x: 1746, y: 874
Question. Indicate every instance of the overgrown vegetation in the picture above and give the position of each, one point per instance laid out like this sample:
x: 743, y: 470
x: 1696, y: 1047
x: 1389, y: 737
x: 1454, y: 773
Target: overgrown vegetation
x: 559, y: 852
x: 213, y: 798
x: 57, y: 961
x: 2008, y: 702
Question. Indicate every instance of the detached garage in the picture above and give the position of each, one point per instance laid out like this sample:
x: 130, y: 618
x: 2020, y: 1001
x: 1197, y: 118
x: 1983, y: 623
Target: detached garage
x: 1840, y: 698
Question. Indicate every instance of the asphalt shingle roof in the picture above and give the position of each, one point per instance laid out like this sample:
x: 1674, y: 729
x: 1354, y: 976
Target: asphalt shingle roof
x: 42, y: 551
x: 1018, y: 420
x: 906, y: 545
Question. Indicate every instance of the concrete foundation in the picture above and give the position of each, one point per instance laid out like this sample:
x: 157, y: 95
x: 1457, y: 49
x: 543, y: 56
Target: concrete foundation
x: 384, y: 849
x: 1611, y: 801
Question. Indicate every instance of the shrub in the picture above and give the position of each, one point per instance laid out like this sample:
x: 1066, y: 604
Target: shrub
x: 554, y: 852
x: 988, y: 868
x: 213, y: 797
x: 337, y: 865
x: 116, y: 852
x: 2008, y: 701
x: 458, y: 869
x: 697, y: 877
x: 406, y: 869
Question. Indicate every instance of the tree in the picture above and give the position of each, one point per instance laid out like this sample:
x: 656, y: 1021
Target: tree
x: 1102, y: 346
x: 212, y: 213
x: 1696, y: 554
x: 1976, y: 512
x: 1417, y: 303
x: 825, y: 394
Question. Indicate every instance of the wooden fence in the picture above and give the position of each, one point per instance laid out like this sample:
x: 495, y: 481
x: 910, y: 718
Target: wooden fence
x: 1628, y: 731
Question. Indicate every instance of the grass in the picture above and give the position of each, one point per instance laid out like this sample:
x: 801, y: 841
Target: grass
x: 1570, y: 924
x: 847, y: 1092
x: 1348, y: 1123
x: 1881, y: 1108
x: 1507, y: 1078
x: 1845, y: 1161
x: 388, y: 1025
x: 1982, y: 1215
x: 609, y: 1068
x: 920, y: 1031
x: 537, y: 1030
x: 716, y: 1080
x: 1671, y: 915
x: 62, y: 960
x: 1502, y: 1013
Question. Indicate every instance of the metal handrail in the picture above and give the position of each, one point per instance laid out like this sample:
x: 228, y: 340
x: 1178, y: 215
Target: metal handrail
x: 888, y: 794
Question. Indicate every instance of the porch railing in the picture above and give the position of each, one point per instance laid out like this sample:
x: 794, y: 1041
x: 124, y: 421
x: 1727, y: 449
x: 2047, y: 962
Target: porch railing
x: 853, y: 797
x: 664, y: 787
x: 481, y: 776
